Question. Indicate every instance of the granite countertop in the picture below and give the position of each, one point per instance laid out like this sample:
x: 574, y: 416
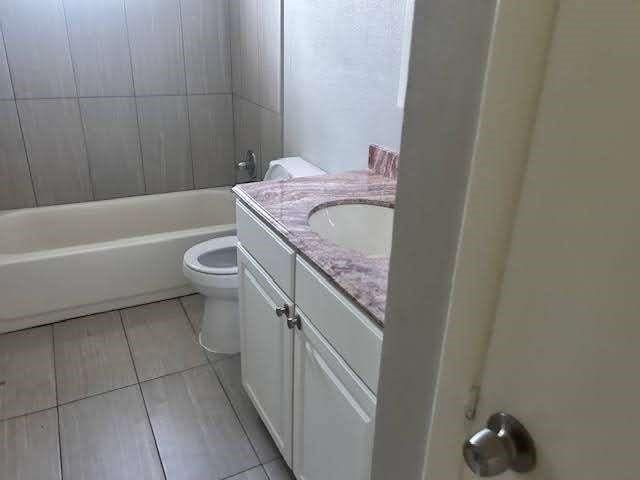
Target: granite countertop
x: 286, y: 206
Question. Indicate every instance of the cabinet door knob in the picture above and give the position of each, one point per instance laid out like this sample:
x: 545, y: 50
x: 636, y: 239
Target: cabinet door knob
x: 295, y: 321
x: 283, y: 311
x: 504, y: 445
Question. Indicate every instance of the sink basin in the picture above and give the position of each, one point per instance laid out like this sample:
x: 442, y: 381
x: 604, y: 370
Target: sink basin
x: 362, y: 227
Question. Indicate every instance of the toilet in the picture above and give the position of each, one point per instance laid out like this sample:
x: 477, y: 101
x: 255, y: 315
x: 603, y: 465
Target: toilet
x: 212, y: 269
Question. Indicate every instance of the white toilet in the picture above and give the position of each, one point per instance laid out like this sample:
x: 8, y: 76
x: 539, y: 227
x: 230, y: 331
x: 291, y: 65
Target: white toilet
x: 212, y: 268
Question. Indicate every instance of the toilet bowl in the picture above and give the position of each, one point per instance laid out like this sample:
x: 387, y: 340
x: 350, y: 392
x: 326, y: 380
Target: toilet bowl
x: 212, y: 268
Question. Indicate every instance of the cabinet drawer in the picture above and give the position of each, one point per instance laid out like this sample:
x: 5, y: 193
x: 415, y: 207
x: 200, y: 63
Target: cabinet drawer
x: 349, y: 331
x: 275, y: 256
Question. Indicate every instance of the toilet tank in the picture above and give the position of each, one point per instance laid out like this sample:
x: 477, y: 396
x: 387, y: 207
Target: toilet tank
x: 291, y: 167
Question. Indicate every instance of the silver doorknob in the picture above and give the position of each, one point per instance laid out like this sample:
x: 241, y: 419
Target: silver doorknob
x: 504, y: 445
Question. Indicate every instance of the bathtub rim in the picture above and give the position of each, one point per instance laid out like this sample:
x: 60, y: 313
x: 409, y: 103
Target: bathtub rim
x: 143, y: 197
x: 12, y: 258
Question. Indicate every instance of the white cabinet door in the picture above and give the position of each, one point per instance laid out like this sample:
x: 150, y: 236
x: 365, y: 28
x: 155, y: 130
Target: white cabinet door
x: 334, y: 413
x: 266, y: 350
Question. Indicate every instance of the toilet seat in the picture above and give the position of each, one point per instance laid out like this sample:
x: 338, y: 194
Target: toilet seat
x: 214, y: 257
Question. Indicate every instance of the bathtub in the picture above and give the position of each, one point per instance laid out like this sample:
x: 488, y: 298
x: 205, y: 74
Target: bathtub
x: 67, y: 261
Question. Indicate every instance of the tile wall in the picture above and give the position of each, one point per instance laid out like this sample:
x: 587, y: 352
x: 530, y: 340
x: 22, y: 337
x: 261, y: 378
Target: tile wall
x: 110, y: 98
x: 256, y: 44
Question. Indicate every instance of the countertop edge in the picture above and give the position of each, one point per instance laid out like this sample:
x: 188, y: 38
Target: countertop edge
x: 282, y: 234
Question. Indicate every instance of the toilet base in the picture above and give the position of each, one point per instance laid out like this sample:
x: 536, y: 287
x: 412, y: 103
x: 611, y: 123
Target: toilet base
x: 220, y: 327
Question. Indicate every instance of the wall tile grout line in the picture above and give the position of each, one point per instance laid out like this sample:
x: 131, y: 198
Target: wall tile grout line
x: 15, y: 102
x: 77, y: 98
x: 144, y: 401
x: 186, y: 89
x: 89, y: 161
x: 233, y: 102
x: 146, y: 95
x: 135, y: 97
x: 281, y: 79
x: 236, y: 153
x: 257, y: 104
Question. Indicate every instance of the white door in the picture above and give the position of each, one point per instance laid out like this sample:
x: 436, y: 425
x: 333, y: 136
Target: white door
x: 565, y: 349
x: 266, y: 350
x: 333, y: 413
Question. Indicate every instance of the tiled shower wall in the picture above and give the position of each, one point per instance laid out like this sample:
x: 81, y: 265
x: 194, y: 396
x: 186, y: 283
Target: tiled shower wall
x: 108, y: 98
x: 256, y: 44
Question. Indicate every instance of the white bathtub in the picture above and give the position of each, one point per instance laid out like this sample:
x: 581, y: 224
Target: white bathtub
x: 67, y: 261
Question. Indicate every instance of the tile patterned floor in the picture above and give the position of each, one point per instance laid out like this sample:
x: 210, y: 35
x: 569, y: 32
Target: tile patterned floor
x: 124, y: 395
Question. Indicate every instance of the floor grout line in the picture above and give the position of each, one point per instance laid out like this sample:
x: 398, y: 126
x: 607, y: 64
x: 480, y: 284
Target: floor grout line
x: 184, y: 370
x: 243, y: 471
x: 15, y: 417
x: 153, y: 433
x: 233, y: 407
x: 122, y: 387
x: 92, y: 395
x: 224, y: 390
x: 184, y: 310
x: 209, y: 363
x: 144, y: 401
x: 55, y: 381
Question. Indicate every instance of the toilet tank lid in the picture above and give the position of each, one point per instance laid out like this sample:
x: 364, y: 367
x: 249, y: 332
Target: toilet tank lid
x: 291, y: 167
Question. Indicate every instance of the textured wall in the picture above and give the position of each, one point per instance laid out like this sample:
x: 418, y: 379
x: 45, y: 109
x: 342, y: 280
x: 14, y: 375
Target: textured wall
x: 109, y: 98
x: 342, y: 74
x: 448, y: 63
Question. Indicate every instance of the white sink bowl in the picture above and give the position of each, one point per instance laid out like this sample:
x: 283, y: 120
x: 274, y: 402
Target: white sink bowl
x: 359, y: 226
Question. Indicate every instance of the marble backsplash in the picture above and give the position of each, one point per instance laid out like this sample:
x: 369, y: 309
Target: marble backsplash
x: 383, y: 162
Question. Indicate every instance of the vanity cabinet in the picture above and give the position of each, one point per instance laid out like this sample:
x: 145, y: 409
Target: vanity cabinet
x: 267, y: 350
x: 334, y: 412
x: 310, y: 358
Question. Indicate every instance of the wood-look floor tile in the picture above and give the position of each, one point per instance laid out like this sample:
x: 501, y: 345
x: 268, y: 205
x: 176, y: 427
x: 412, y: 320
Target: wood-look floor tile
x: 278, y: 470
x: 92, y: 356
x: 197, y: 432
x: 161, y: 339
x: 108, y: 437
x: 229, y: 372
x: 29, y: 447
x: 27, y: 382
